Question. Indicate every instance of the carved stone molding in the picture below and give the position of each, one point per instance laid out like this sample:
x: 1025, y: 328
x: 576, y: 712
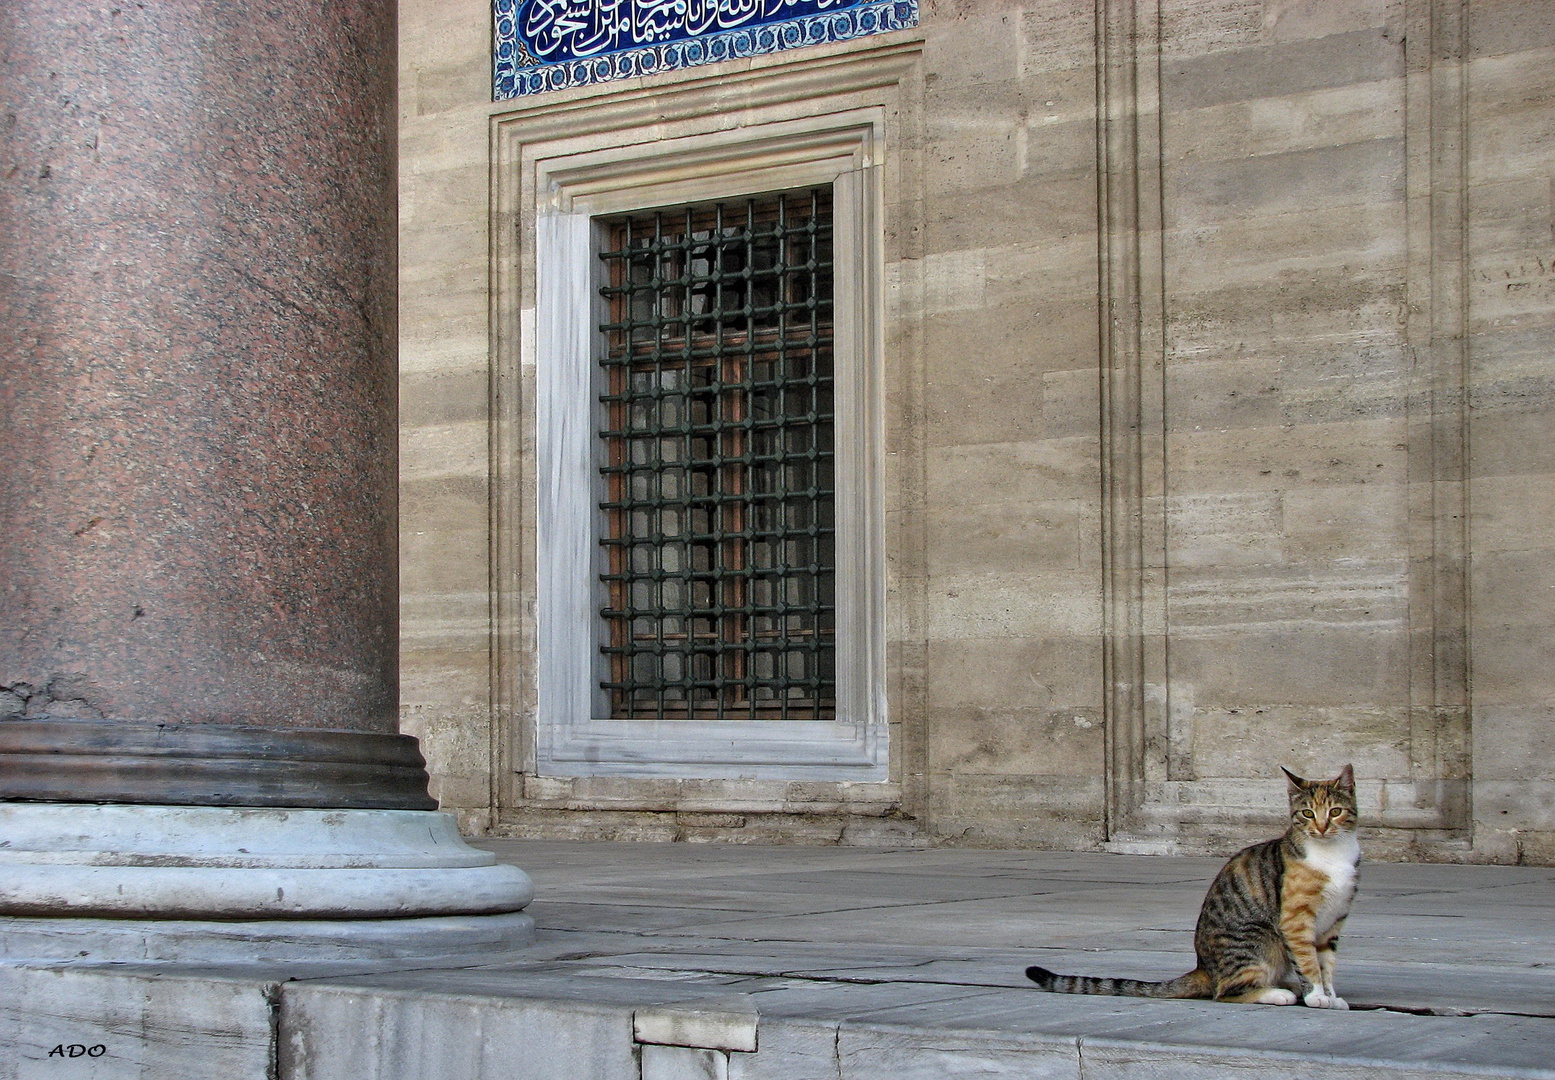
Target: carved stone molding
x: 1133, y: 348
x: 714, y: 121
x: 1436, y: 330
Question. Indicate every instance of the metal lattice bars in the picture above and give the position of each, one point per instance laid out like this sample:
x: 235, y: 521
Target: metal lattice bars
x: 718, y: 462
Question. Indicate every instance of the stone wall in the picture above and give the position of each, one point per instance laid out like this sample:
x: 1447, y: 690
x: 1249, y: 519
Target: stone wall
x: 1216, y: 388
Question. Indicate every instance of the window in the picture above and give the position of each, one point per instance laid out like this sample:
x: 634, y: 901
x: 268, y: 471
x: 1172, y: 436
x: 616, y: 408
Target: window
x: 708, y: 456
x: 717, y: 456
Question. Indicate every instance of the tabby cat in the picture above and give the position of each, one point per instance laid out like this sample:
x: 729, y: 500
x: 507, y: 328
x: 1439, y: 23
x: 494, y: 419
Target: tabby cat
x: 1270, y: 923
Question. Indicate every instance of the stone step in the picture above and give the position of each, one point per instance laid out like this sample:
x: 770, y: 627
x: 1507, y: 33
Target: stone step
x: 529, y: 1020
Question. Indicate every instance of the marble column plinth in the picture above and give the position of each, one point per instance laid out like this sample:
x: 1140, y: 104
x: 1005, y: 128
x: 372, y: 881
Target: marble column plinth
x: 95, y: 883
x: 191, y: 862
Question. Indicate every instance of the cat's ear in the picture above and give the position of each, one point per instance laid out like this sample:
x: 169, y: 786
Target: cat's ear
x: 1345, y: 781
x: 1292, y: 781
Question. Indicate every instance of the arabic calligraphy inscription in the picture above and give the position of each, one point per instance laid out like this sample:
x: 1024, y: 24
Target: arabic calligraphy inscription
x: 553, y: 44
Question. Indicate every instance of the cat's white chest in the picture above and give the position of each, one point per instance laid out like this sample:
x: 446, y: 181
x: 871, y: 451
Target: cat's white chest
x: 1338, y: 860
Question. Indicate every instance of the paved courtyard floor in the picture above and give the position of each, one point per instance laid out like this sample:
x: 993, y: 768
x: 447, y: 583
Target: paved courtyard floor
x: 710, y: 962
x: 1422, y: 938
x: 913, y: 960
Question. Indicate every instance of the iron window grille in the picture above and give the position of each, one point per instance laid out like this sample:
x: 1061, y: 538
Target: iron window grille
x: 718, y: 462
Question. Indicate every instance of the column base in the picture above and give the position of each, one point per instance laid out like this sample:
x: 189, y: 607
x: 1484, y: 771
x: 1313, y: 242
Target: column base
x: 65, y: 861
x: 206, y: 884
x: 130, y: 761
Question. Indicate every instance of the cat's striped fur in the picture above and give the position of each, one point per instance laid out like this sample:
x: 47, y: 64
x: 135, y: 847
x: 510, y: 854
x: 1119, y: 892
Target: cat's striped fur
x: 1269, y: 927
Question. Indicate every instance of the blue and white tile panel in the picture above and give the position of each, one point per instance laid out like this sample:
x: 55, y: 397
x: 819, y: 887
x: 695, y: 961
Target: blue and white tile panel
x: 541, y: 45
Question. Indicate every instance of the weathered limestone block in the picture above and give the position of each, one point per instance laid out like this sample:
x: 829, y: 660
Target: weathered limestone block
x: 134, y: 1027
x: 335, y: 1032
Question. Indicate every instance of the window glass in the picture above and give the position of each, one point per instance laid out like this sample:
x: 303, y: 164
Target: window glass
x: 718, y: 461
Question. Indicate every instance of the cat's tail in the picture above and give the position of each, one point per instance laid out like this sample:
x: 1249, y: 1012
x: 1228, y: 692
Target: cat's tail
x: 1195, y: 984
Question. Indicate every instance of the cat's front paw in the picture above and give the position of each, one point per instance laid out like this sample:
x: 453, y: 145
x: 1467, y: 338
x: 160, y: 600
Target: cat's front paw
x: 1318, y: 998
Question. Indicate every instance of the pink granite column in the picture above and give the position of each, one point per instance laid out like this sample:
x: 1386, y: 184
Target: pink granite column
x: 198, y: 575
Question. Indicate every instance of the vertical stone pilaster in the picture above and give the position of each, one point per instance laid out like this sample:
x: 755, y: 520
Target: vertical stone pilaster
x: 1132, y: 334
x: 1436, y: 329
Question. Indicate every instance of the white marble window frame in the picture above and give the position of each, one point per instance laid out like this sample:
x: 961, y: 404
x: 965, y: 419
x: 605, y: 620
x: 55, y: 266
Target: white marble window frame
x: 574, y: 734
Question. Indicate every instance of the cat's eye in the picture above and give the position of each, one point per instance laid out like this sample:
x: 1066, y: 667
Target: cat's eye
x: 1308, y: 813
x: 1339, y: 813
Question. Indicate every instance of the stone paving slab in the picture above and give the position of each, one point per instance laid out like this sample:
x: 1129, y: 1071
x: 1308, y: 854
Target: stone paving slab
x: 1444, y: 989
x: 851, y: 965
x: 1441, y: 968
